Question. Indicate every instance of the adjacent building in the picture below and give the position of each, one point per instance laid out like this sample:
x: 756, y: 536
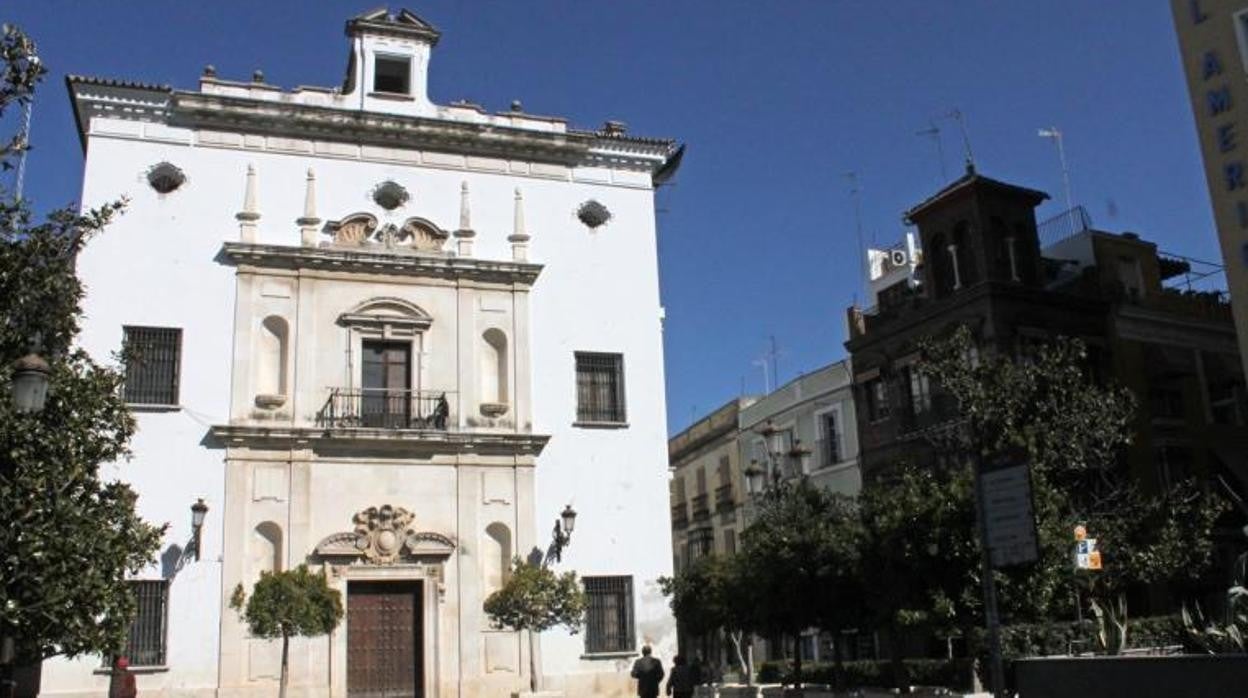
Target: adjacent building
x: 390, y: 339
x: 1213, y: 45
x: 985, y: 268
x: 710, y: 499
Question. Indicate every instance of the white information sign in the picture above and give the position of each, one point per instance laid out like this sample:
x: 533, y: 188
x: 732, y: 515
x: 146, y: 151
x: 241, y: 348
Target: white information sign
x: 1009, y: 518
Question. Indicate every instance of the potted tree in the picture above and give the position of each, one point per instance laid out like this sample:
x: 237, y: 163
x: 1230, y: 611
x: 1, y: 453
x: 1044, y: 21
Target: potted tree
x: 535, y: 599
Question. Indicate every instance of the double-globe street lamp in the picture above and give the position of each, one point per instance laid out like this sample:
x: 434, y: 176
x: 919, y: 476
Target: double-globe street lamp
x: 774, y: 440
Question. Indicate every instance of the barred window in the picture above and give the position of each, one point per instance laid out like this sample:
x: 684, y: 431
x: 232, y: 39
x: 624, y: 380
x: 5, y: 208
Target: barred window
x: 599, y: 387
x: 609, y: 620
x: 153, y: 358
x: 701, y: 543
x: 145, y: 642
x: 831, y: 450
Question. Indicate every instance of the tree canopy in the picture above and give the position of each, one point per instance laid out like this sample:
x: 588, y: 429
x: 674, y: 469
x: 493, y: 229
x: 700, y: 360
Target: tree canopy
x: 69, y: 536
x: 536, y: 598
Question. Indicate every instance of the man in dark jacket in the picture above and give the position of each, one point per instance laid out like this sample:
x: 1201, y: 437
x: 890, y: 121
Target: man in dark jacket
x: 649, y: 674
x: 683, y: 679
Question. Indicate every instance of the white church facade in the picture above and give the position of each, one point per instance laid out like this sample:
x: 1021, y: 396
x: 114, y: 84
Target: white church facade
x: 389, y: 339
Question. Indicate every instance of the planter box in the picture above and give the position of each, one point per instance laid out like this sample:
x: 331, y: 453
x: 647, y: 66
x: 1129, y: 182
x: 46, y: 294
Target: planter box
x: 1131, y: 677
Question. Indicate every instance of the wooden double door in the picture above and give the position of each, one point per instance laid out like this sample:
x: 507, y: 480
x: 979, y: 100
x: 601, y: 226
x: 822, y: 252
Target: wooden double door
x: 385, y: 643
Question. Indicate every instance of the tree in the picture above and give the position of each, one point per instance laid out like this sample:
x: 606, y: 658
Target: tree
x: 535, y: 599
x: 920, y: 557
x: 799, y: 556
x: 1072, y: 432
x: 291, y: 603
x: 69, y: 537
x: 712, y: 595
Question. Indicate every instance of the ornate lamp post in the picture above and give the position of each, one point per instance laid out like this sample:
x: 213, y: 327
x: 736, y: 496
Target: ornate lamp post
x: 562, y: 535
x: 199, y: 511
x: 29, y: 384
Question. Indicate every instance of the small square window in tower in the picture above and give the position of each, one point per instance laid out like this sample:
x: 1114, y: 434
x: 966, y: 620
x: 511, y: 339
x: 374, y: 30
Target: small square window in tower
x: 392, y: 74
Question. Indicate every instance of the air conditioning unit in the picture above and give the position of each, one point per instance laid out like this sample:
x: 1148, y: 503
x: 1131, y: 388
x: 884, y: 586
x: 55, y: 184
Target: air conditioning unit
x: 897, y: 258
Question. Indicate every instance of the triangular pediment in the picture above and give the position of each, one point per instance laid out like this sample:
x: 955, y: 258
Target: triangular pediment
x: 402, y: 23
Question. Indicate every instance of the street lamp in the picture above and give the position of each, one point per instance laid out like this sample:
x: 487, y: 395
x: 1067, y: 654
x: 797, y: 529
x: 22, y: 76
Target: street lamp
x: 29, y: 384
x: 562, y: 534
x: 199, y: 511
x: 801, y: 455
x: 753, y: 479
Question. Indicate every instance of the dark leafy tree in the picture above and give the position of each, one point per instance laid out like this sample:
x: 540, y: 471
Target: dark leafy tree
x: 536, y: 599
x: 293, y: 603
x: 713, y: 595
x: 68, y: 536
x: 799, y: 556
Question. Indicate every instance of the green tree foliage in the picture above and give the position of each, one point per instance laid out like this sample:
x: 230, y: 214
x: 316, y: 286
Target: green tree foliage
x: 711, y: 595
x: 287, y: 604
x: 799, y: 556
x: 1073, y: 432
x: 69, y: 537
x: 536, y: 599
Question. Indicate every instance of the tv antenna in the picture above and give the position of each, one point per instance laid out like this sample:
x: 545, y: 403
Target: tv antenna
x: 956, y: 115
x: 24, y: 140
x: 855, y: 195
x: 1053, y: 133
x: 933, y: 132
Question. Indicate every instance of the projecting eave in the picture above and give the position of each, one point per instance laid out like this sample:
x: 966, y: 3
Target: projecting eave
x: 364, y: 260
x: 127, y: 99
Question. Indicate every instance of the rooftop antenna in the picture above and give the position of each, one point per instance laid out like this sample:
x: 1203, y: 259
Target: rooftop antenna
x: 24, y: 140
x: 1053, y: 133
x: 856, y: 196
x: 768, y: 362
x: 933, y: 132
x: 956, y: 115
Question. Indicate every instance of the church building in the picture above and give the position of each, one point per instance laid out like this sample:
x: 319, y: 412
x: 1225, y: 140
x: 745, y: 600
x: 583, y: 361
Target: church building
x: 389, y: 339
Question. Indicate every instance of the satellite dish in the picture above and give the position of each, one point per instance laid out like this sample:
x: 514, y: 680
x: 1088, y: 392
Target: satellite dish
x: 897, y: 258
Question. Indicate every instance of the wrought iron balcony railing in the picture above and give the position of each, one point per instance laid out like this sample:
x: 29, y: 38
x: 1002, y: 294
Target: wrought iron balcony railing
x: 724, y: 499
x: 701, y: 510
x: 680, y: 515
x: 367, y: 408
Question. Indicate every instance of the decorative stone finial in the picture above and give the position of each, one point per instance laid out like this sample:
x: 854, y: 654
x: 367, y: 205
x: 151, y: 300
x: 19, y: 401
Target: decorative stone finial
x: 519, y: 237
x: 257, y: 76
x: 249, y: 215
x: 210, y: 71
x: 516, y: 106
x: 465, y: 233
x: 308, y: 222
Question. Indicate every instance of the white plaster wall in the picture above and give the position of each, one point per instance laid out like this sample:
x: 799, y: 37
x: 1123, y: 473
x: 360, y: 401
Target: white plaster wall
x: 599, y: 292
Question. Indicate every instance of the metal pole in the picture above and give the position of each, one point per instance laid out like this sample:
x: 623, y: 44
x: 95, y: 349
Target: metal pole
x: 25, y: 141
x: 996, y: 671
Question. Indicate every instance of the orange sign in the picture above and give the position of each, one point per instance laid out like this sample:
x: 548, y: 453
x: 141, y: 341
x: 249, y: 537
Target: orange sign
x: 1080, y: 532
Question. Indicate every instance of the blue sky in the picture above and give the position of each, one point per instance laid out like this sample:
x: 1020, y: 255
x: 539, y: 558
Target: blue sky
x: 776, y: 100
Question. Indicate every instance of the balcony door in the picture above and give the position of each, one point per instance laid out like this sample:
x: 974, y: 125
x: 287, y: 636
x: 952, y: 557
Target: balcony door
x: 386, y: 380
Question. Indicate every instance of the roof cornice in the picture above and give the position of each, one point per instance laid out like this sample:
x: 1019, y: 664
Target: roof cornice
x: 198, y: 110
x: 386, y: 262
x: 408, y: 443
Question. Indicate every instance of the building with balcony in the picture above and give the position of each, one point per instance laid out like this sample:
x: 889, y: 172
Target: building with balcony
x: 1142, y: 314
x: 390, y: 339
x: 710, y: 502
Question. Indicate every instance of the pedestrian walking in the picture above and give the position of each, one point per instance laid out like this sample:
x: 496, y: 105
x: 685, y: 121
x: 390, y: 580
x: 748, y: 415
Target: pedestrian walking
x: 683, y: 679
x: 649, y: 674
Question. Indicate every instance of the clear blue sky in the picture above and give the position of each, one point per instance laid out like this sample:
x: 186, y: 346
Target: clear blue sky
x: 776, y: 100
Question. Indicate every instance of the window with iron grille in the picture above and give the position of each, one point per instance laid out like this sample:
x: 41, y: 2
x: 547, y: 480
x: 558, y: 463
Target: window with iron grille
x: 600, y: 387
x: 153, y: 357
x: 831, y: 450
x: 701, y: 543
x: 145, y: 641
x: 609, y: 617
